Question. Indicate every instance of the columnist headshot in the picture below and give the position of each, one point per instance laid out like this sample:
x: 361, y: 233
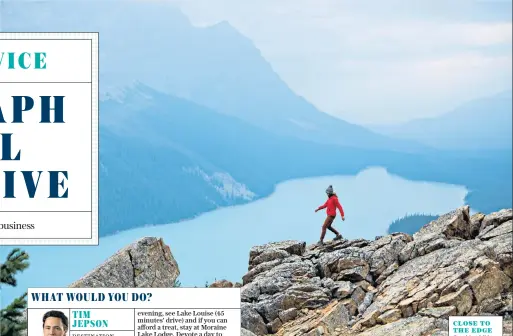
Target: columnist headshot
x: 55, y: 323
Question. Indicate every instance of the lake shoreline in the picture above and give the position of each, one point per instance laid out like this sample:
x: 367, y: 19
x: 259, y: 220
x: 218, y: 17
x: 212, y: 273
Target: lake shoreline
x: 216, y: 244
x: 274, y: 189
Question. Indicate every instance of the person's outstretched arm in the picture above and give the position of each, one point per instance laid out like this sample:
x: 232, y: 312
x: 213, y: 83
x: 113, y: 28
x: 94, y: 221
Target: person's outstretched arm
x: 322, y: 206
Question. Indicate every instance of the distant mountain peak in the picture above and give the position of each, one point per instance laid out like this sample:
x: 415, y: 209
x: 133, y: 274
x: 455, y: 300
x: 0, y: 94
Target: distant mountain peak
x: 223, y: 24
x: 226, y: 31
x: 481, y: 123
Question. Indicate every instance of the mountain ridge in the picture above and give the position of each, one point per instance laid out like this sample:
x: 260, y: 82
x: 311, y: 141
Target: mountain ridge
x: 479, y: 124
x: 217, y: 67
x: 170, y: 138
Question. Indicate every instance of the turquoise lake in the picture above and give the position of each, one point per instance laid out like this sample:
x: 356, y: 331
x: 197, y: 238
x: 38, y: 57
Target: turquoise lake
x: 216, y: 245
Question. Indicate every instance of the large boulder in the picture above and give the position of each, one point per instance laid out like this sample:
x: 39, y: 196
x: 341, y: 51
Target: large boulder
x: 500, y: 238
x: 147, y: 262
x: 446, y: 231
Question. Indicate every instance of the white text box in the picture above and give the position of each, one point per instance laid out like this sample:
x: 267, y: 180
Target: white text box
x: 142, y: 311
x: 49, y: 138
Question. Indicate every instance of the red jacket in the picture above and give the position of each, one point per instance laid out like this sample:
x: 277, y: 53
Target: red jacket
x: 332, y: 204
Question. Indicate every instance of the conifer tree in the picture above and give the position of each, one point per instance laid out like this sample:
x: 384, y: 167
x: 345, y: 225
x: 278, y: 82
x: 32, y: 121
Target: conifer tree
x: 11, y: 317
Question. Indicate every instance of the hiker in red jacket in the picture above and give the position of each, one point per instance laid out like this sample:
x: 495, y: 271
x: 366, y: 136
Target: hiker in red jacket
x: 332, y: 204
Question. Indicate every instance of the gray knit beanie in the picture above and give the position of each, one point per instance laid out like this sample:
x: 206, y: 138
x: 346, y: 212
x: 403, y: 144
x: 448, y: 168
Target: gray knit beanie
x: 329, y: 190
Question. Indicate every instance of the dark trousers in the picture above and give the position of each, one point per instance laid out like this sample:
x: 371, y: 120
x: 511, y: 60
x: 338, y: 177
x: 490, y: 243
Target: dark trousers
x: 327, y: 226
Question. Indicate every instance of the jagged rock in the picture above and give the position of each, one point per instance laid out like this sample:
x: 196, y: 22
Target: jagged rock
x: 274, y: 325
x: 426, y: 244
x: 494, y: 219
x: 350, y: 305
x: 369, y: 320
x: 288, y: 315
x: 389, y: 270
x: 389, y: 316
x: 500, y: 239
x: 245, y: 332
x: 306, y: 296
x: 507, y: 304
x: 499, y: 230
x: 343, y: 289
x: 487, y: 282
x: 358, y: 296
x: 462, y: 300
x: 438, y: 312
x: 289, y: 246
x: 327, y: 321
x: 345, y: 264
x: 507, y: 328
x: 261, y: 268
x: 452, y: 224
x: 365, y: 285
x: 148, y: 262
x: 452, y: 287
x: 282, y: 277
x: 475, y: 223
x: 335, y: 315
x: 268, y: 255
x: 407, y: 307
x: 367, y: 300
x: 412, y: 326
x: 444, y: 232
x: 270, y: 307
x: 251, y: 320
x: 297, y: 297
x: 383, y: 253
x: 490, y: 305
x: 222, y: 284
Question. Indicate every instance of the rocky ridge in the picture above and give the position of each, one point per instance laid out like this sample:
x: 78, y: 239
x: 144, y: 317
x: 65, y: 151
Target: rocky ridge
x: 398, y: 284
x: 148, y: 262
x: 395, y: 285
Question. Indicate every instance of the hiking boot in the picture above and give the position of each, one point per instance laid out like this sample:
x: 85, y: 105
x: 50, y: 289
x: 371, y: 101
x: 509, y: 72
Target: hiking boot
x: 338, y: 237
x: 320, y: 243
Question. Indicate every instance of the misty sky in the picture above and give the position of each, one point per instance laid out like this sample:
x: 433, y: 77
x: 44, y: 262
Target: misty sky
x: 376, y: 61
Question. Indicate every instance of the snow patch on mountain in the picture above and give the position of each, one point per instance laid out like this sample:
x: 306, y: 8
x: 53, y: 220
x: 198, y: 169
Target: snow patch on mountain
x: 224, y: 184
x: 121, y: 93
